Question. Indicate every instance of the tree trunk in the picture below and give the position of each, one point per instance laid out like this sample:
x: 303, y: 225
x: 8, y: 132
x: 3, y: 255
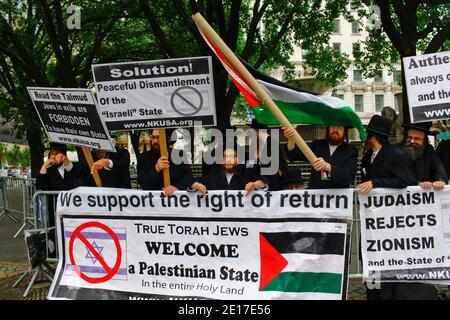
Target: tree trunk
x: 36, y: 150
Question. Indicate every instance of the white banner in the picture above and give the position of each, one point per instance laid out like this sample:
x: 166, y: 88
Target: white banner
x: 405, y: 235
x: 170, y: 93
x: 70, y: 116
x: 428, y: 86
x: 124, y: 244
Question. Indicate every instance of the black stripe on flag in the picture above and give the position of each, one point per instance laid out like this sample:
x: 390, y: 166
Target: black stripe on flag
x: 307, y: 242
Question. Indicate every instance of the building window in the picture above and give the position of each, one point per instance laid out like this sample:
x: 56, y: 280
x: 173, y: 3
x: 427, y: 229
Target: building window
x: 337, y: 26
x: 378, y: 77
x: 398, y: 77
x: 356, y: 47
x: 357, y: 76
x: 336, y: 47
x: 379, y: 102
x: 337, y: 95
x: 355, y: 27
x: 359, y: 103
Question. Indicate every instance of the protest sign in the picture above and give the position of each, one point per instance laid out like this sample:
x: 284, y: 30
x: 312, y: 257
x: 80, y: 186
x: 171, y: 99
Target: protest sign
x: 427, y: 85
x: 405, y: 235
x: 156, y: 94
x: 70, y: 116
x: 125, y: 244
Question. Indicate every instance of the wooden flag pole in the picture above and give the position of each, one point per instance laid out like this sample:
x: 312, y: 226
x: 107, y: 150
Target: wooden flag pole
x: 203, y: 25
x: 164, y: 152
x: 90, y: 162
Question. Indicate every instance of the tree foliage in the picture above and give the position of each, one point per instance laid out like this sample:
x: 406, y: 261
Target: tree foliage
x: 38, y: 49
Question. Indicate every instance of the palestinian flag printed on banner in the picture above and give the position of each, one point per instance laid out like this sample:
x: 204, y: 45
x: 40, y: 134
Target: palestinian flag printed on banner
x: 300, y: 106
x: 306, y: 262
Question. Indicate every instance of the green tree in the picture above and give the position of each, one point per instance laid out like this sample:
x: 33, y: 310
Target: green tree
x: 38, y: 49
x: 404, y: 28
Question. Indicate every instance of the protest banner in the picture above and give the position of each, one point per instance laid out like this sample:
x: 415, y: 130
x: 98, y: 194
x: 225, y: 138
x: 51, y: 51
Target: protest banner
x: 70, y: 116
x: 427, y: 85
x: 143, y: 95
x: 133, y: 245
x: 405, y: 235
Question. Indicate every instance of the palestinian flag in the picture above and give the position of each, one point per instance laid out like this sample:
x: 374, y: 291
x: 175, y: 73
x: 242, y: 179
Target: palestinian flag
x: 313, y: 263
x: 298, y: 105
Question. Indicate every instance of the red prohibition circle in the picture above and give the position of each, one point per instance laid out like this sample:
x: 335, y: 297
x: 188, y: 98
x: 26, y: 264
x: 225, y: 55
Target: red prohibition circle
x: 109, y: 272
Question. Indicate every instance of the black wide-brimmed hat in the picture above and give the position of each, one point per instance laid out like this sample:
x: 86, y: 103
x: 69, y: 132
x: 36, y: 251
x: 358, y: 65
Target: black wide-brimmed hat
x: 293, y: 176
x: 423, y: 126
x: 57, y: 146
x: 380, y: 125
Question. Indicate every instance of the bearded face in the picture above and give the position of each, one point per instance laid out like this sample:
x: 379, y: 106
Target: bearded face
x: 335, y: 135
x: 414, y: 151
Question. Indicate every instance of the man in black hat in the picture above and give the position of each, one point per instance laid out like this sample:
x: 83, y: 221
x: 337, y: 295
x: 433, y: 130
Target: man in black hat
x: 428, y: 172
x: 230, y: 175
x: 428, y: 169
x: 151, y: 165
x: 57, y: 173
x: 335, y: 166
x: 383, y: 166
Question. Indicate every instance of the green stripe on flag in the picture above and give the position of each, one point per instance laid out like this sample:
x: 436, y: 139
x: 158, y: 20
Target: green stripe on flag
x: 311, y: 113
x: 306, y: 282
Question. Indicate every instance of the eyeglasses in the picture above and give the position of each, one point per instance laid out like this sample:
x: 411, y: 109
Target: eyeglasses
x: 154, y: 137
x: 409, y: 138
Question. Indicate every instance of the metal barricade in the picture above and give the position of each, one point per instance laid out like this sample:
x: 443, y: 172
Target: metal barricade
x: 40, y: 221
x: 16, y: 197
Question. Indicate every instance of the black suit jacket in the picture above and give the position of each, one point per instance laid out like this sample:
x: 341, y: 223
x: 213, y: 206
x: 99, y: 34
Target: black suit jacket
x: 343, y: 164
x: 53, y: 181
x: 117, y: 177
x: 149, y: 179
x: 216, y: 178
x: 389, y: 169
x: 428, y: 168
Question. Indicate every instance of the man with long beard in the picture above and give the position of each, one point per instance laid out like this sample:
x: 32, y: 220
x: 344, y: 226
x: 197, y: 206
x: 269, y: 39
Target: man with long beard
x: 428, y: 169
x: 335, y: 166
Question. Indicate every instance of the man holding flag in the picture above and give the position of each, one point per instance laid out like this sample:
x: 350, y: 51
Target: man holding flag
x: 336, y: 165
x: 275, y: 103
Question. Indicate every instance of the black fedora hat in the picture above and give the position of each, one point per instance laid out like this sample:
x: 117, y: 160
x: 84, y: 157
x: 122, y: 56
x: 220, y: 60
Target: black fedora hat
x: 423, y: 126
x: 293, y: 176
x: 380, y: 125
x: 57, y: 146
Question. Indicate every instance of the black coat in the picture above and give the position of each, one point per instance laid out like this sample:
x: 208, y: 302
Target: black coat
x: 343, y: 164
x: 117, y: 177
x: 428, y: 168
x: 53, y: 181
x: 389, y: 169
x: 149, y: 179
x: 216, y: 178
x: 443, y: 152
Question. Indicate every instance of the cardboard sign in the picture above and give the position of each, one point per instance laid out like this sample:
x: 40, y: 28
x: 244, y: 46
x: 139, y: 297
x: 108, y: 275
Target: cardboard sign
x: 156, y: 94
x: 428, y: 86
x: 70, y: 116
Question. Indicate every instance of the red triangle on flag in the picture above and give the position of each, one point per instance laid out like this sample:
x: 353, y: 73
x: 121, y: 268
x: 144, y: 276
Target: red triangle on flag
x: 272, y: 262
